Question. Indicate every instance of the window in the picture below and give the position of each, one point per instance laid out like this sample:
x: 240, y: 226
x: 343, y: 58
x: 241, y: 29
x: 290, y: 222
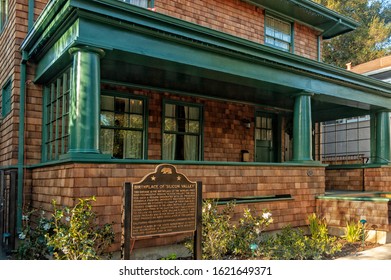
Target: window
x: 182, y: 132
x: 56, y: 116
x: 6, y: 99
x: 141, y: 3
x: 3, y: 13
x: 278, y: 33
x: 122, y: 121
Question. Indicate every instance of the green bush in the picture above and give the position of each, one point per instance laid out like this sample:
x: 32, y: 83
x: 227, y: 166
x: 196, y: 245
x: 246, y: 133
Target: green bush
x: 354, y: 231
x: 247, y: 233
x: 70, y: 233
x: 293, y: 244
x: 33, y: 244
x: 221, y: 237
x: 75, y: 233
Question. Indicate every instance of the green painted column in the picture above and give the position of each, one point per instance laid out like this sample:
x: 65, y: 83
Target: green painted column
x: 85, y: 101
x: 302, y: 128
x: 383, y: 137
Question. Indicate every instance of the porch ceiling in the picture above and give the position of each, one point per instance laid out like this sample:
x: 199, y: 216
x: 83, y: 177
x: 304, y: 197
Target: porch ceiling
x: 147, y: 48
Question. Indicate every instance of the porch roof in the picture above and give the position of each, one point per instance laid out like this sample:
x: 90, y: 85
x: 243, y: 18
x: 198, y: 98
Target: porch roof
x: 150, y: 49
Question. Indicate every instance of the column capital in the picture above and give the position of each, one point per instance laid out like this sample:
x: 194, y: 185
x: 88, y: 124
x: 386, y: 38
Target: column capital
x: 89, y: 49
x: 302, y: 93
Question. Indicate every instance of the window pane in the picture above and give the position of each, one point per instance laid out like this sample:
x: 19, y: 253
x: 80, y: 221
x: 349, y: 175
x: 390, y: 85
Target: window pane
x: 169, y: 143
x: 106, y: 118
x: 191, y: 147
x: 170, y: 124
x: 136, y: 106
x: 107, y: 103
x: 136, y: 121
x: 106, y: 141
x: 170, y: 110
x: 193, y: 126
x: 133, y: 144
x: 121, y: 105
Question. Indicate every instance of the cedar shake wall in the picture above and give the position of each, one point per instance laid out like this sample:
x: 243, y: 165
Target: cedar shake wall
x: 373, y: 179
x: 66, y: 182
x: 9, y: 70
x: 338, y: 212
x: 236, y: 18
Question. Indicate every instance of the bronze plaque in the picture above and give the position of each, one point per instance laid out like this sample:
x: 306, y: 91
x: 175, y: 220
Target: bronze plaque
x: 163, y: 202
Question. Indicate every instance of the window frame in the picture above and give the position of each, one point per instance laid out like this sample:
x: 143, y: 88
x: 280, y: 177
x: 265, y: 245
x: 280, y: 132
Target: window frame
x: 6, y: 98
x: 52, y: 141
x: 3, y: 14
x: 200, y: 134
x: 283, y: 20
x: 143, y: 130
x: 150, y: 3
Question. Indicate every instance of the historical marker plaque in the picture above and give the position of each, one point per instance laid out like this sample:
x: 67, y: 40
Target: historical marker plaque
x: 163, y: 202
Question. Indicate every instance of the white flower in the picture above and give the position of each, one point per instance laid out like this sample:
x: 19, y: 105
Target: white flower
x: 67, y: 219
x: 25, y: 218
x: 22, y: 236
x: 46, y: 226
x: 266, y: 215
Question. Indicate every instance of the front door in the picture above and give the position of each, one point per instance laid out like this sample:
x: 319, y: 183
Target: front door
x: 265, y: 150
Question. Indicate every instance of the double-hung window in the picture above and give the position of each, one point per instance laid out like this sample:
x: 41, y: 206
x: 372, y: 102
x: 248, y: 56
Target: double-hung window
x: 278, y: 33
x: 3, y: 13
x: 140, y: 3
x: 182, y: 127
x: 122, y: 126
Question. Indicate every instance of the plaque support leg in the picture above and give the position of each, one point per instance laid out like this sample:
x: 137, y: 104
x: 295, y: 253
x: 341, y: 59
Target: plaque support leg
x: 127, y: 215
x: 198, y: 232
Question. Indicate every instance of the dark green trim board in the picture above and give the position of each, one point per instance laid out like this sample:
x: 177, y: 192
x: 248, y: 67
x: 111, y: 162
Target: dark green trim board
x: 31, y: 6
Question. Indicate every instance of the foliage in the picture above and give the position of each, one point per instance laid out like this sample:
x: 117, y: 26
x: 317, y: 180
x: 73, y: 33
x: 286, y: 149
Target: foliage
x: 71, y: 233
x: 221, y: 237
x: 247, y: 234
x: 354, y: 231
x: 369, y: 41
x: 172, y: 256
x: 293, y: 244
x: 75, y: 233
x: 33, y: 244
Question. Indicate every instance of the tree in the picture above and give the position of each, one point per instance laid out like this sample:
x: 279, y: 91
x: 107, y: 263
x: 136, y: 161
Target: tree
x: 369, y: 41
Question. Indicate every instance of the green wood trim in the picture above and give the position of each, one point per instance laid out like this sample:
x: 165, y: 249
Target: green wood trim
x: 354, y: 166
x: 101, y: 159
x: 353, y: 198
x: 253, y: 199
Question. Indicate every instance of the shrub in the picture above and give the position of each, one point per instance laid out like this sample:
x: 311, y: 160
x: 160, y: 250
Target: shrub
x: 247, y: 233
x: 71, y: 233
x: 220, y: 237
x: 354, y: 231
x: 75, y: 233
x: 33, y: 244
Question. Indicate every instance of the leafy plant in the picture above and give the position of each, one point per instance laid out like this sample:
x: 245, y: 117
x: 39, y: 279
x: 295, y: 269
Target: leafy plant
x: 247, y: 233
x: 33, y: 244
x: 75, y: 233
x: 354, y: 231
x: 70, y: 233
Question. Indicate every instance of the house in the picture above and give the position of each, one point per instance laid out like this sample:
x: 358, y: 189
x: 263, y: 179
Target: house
x: 95, y: 93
